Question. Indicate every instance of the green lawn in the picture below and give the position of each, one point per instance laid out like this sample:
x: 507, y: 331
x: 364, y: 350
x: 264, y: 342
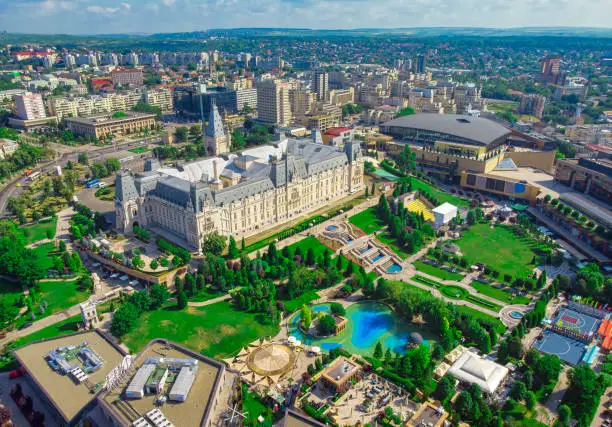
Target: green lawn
x: 205, y: 295
x: 409, y: 285
x: 217, y: 330
x: 61, y: 295
x: 297, y: 303
x: 505, y: 252
x: 442, y: 196
x: 476, y: 314
x: 10, y: 290
x: 391, y: 241
x: 45, y: 254
x: 498, y: 294
x: 252, y: 406
x: 307, y: 243
x: 38, y: 231
x: 367, y: 221
x: 139, y: 150
x: 437, y: 271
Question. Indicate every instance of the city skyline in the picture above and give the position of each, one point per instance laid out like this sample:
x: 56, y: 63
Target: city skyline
x: 159, y: 16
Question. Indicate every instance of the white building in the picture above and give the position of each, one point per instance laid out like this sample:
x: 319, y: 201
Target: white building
x: 472, y: 369
x: 7, y: 148
x: 30, y: 106
x: 444, y: 213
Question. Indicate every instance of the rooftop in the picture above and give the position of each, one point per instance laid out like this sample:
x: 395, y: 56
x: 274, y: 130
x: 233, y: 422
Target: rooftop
x: 473, y: 369
x: 68, y: 397
x: 336, y: 131
x: 340, y: 369
x: 191, y: 412
x: 108, y: 118
x: 477, y: 129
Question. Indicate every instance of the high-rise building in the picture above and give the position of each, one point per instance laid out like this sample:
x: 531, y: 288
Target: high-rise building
x: 110, y: 59
x: 320, y: 85
x: 48, y: 61
x: 161, y: 98
x: 420, y: 64
x: 246, y: 97
x: 273, y: 102
x: 301, y: 101
x: 532, y: 104
x: 550, y: 71
x: 69, y: 60
x: 30, y: 106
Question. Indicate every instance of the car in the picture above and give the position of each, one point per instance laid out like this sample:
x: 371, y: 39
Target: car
x: 114, y: 275
x: 25, y: 325
x: 16, y: 373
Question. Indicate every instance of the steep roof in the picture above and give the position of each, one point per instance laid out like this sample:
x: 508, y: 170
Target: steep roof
x: 215, y: 123
x: 124, y: 187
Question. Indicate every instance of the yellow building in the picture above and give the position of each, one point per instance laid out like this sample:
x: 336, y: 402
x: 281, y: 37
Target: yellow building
x: 500, y: 185
x: 99, y: 126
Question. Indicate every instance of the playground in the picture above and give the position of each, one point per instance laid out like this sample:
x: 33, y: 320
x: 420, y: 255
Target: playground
x: 567, y: 349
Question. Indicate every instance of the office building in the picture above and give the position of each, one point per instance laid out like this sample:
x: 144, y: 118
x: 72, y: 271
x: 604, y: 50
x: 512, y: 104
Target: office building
x: 420, y: 65
x: 301, y: 101
x: 533, y: 105
x: 127, y: 77
x: 550, y: 71
x: 342, y: 96
x: 320, y: 85
x: 246, y: 96
x: 588, y: 175
x: 273, y: 106
x: 237, y: 195
x: 30, y: 106
x: 102, y: 125
x: 69, y: 61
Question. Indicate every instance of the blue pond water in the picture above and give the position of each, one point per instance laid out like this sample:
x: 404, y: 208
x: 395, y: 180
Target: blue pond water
x: 394, y: 268
x: 331, y: 227
x: 368, y: 323
x: 378, y: 257
x: 364, y: 250
x: 517, y: 314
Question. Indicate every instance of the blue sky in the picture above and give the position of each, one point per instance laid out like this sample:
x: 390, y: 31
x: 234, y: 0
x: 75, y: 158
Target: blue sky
x: 129, y: 16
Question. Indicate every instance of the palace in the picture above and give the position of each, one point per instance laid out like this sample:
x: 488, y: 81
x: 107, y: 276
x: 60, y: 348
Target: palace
x: 237, y: 194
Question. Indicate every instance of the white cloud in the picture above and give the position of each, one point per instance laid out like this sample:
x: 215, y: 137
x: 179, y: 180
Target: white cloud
x: 102, y: 10
x: 126, y: 6
x: 169, y: 2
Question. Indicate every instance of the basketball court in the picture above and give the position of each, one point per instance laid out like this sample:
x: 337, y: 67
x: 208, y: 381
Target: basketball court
x: 568, y: 350
x: 571, y: 319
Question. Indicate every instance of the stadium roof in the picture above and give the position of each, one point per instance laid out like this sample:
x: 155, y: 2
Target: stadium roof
x: 478, y: 129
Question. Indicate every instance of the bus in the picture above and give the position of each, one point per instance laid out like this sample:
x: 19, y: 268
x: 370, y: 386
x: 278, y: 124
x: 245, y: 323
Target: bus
x: 93, y: 183
x: 32, y: 176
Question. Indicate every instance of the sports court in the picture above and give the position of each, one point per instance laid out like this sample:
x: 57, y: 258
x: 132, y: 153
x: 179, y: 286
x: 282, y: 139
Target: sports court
x: 568, y: 350
x: 577, y: 321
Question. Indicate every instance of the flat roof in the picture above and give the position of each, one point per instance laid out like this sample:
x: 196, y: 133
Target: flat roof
x: 68, y: 398
x: 478, y: 129
x: 193, y: 411
x: 102, y: 119
x: 340, y: 369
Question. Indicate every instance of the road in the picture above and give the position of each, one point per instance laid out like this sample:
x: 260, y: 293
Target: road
x: 94, y: 154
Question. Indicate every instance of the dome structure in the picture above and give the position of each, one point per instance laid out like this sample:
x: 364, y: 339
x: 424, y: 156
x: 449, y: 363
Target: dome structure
x: 415, y: 338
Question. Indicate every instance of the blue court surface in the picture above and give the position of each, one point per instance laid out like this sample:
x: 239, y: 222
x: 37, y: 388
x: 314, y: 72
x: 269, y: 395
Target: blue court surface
x: 572, y: 319
x: 568, y: 350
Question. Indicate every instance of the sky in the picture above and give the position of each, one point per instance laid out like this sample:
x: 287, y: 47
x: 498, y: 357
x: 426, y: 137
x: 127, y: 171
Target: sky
x: 158, y: 16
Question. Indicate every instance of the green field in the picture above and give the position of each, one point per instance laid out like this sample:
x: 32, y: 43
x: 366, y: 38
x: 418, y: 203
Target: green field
x: 442, y: 196
x: 438, y: 272
x: 367, y: 221
x: 216, y: 330
x: 297, y: 303
x: 307, y: 243
x: 139, y: 150
x: 456, y: 292
x: 10, y: 290
x: 498, y: 294
x: 205, y: 295
x: 391, y: 241
x: 505, y: 251
x: 45, y: 254
x: 38, y: 231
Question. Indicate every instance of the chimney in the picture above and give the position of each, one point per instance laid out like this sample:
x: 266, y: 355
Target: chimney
x: 215, y: 170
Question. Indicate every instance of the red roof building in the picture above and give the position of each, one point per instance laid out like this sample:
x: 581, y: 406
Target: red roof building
x: 338, y: 136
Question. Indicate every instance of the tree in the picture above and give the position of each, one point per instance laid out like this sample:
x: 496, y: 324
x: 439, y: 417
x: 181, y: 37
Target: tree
x: 378, y: 351
x: 530, y: 400
x: 518, y: 391
x: 445, y: 388
x: 153, y: 264
x: 306, y: 316
x: 407, y: 111
x: 8, y: 312
x: 124, y: 319
x: 326, y: 325
x: 233, y: 248
x: 310, y: 257
x: 464, y: 405
x: 214, y: 243
x: 195, y: 130
x: 83, y: 159
x: 565, y: 413
x: 181, y: 301
x: 112, y: 164
x: 181, y: 133
x: 337, y: 309
x: 159, y: 295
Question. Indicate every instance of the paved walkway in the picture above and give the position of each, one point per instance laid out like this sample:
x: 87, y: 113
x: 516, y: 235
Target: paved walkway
x: 40, y: 324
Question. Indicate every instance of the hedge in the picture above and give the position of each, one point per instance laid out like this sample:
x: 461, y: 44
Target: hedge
x: 174, y: 250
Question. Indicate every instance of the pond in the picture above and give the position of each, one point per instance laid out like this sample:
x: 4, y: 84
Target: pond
x: 368, y: 323
x: 394, y: 268
x: 331, y: 227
